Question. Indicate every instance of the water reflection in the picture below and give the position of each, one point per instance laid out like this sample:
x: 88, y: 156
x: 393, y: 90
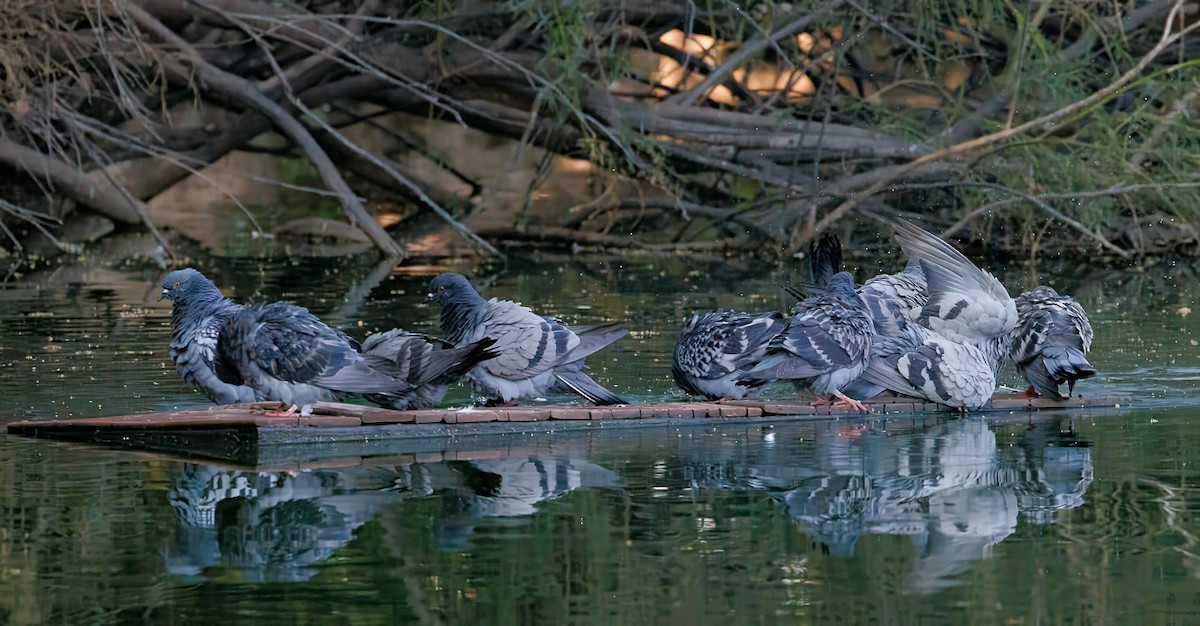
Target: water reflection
x: 276, y: 525
x: 946, y: 485
x: 948, y: 489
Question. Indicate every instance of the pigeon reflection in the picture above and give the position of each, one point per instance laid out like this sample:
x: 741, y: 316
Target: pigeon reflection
x: 274, y: 526
x: 950, y: 489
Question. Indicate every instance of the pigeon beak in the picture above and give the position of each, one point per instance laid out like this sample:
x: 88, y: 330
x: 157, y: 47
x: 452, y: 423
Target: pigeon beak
x: 429, y: 297
x: 164, y: 295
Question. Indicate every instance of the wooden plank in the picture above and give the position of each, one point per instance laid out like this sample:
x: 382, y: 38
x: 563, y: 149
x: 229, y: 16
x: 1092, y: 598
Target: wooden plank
x: 341, y: 415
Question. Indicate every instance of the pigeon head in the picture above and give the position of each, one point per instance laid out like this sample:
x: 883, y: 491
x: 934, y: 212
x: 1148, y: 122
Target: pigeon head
x: 450, y: 288
x: 188, y: 284
x: 460, y: 304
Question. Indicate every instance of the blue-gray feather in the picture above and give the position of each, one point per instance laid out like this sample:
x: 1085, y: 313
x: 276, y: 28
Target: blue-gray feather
x: 716, y: 350
x: 537, y: 354
x: 1050, y: 341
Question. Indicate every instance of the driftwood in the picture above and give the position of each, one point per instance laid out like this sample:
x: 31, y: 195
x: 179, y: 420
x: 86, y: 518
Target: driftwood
x: 739, y: 126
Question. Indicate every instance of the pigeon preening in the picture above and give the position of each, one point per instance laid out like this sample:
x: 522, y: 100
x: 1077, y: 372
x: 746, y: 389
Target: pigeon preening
x: 198, y: 313
x: 910, y: 359
x: 281, y: 352
x: 825, y: 345
x: 427, y: 363
x: 716, y: 350
x: 537, y: 355
x: 896, y: 297
x: 1050, y: 342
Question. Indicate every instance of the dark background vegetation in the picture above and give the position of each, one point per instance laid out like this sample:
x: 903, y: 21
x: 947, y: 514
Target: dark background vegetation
x: 679, y: 127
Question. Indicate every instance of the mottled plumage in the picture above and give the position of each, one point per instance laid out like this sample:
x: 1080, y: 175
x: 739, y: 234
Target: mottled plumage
x: 895, y: 298
x: 916, y: 362
x: 825, y: 345
x: 537, y: 354
x: 912, y: 360
x: 285, y: 353
x: 1050, y: 340
x: 198, y: 313
x: 716, y: 350
x: 966, y: 304
x: 427, y: 363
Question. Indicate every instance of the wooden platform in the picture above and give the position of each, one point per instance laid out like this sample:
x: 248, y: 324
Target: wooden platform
x: 240, y: 432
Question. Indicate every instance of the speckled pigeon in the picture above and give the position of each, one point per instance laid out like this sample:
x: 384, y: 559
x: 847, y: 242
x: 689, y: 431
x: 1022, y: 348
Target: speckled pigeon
x: 825, y: 345
x: 198, y: 312
x: 717, y: 349
x: 912, y: 360
x: 537, y: 354
x: 1050, y: 341
x: 427, y: 363
x: 966, y: 304
x: 285, y: 353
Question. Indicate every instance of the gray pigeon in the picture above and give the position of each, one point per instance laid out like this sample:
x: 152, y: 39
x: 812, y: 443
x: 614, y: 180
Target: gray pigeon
x: 427, y: 363
x: 1049, y: 343
x: 912, y: 360
x: 715, y: 350
x: 825, y: 345
x: 198, y: 312
x: 537, y: 354
x: 966, y: 304
x: 285, y: 353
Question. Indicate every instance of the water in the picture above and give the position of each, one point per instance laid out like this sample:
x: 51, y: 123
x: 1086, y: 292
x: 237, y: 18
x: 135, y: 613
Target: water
x: 1007, y: 520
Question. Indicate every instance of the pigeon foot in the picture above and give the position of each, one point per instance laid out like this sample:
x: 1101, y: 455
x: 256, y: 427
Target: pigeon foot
x: 1028, y: 393
x: 291, y: 412
x: 845, y: 400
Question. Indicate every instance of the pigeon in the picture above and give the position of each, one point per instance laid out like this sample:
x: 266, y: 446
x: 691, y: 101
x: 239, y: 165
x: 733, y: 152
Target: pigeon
x: 537, y: 354
x: 428, y: 364
x: 965, y: 303
x: 281, y: 352
x: 825, y: 259
x: 715, y: 350
x: 285, y: 353
x: 910, y: 359
x: 198, y: 313
x: 1049, y: 342
x: 825, y: 345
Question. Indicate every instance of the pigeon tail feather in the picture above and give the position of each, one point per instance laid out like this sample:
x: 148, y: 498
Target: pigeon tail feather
x: 825, y: 259
x: 589, y: 389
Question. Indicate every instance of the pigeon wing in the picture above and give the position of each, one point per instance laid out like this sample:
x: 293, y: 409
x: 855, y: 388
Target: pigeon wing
x: 528, y: 345
x: 965, y: 302
x: 288, y: 343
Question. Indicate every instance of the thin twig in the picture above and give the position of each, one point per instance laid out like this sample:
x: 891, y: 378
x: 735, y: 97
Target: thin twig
x: 1035, y: 124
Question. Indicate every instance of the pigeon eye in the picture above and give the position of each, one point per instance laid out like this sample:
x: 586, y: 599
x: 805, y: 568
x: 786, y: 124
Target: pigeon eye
x: 442, y: 288
x: 178, y: 283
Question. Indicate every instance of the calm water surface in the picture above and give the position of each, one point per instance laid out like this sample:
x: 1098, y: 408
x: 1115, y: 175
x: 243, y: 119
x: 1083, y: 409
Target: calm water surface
x: 1008, y: 520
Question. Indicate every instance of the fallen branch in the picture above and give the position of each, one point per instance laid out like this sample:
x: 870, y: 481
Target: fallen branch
x: 69, y: 181
x: 1039, y: 123
x: 242, y: 91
